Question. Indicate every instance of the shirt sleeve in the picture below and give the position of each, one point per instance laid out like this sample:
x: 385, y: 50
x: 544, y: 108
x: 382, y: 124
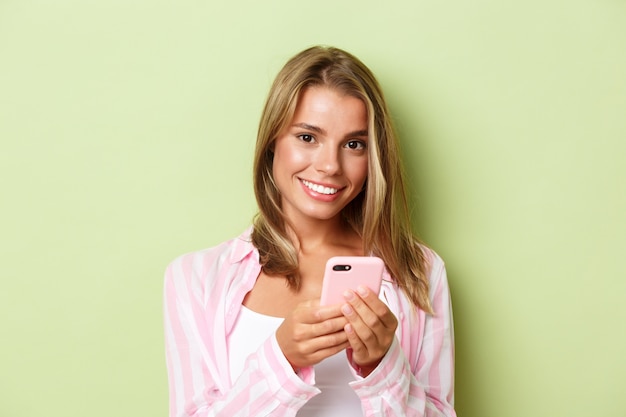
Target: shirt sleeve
x: 267, y: 386
x: 424, y: 388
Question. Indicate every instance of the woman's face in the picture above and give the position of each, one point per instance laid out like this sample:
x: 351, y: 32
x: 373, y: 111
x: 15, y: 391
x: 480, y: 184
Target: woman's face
x: 320, y: 158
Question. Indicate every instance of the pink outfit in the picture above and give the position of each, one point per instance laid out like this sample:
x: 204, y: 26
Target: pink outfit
x: 204, y: 292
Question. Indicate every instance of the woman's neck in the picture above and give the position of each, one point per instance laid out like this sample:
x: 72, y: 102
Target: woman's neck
x: 323, y: 236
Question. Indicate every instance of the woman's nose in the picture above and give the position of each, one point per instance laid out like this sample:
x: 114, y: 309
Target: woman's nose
x: 328, y: 160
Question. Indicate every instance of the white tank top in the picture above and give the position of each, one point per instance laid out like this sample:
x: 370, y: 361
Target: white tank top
x: 332, y: 375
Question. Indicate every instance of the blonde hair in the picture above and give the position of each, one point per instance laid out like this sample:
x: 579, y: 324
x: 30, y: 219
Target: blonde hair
x: 379, y: 214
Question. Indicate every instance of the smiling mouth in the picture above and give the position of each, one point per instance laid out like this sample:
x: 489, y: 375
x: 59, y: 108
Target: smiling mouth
x: 320, y: 189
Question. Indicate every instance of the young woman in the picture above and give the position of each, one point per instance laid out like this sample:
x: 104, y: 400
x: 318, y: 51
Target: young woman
x: 245, y: 332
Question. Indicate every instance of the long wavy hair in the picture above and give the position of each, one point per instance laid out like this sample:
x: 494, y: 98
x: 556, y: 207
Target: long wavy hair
x: 379, y: 214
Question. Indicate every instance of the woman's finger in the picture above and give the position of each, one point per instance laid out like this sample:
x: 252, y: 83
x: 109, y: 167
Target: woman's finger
x: 376, y: 305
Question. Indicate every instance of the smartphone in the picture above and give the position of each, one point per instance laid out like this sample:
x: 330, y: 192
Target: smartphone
x: 347, y: 273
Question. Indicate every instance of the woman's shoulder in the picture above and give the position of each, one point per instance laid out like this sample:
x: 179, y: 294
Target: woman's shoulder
x: 227, y: 252
x: 432, y: 258
x: 435, y: 272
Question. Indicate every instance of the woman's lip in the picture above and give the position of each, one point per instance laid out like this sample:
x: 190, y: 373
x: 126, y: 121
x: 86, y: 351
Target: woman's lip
x: 321, y: 193
x: 322, y: 184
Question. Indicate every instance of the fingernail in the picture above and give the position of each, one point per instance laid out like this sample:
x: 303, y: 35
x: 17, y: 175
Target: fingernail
x: 348, y: 295
x: 362, y: 291
x: 346, y: 309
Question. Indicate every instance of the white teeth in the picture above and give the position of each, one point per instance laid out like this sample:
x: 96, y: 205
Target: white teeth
x: 320, y: 188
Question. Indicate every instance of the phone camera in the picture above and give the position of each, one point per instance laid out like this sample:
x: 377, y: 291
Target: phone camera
x: 342, y: 267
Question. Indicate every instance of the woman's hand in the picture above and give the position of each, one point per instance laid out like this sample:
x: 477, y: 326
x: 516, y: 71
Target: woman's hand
x: 370, y: 329
x: 312, y: 333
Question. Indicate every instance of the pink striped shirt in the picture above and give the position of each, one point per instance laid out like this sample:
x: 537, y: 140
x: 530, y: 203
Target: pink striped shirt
x: 204, y: 292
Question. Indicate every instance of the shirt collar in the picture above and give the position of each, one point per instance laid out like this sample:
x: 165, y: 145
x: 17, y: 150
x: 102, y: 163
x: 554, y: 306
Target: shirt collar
x: 242, y: 247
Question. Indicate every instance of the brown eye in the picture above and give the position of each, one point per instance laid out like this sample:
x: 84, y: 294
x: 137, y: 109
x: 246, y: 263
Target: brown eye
x: 356, y: 145
x: 306, y: 138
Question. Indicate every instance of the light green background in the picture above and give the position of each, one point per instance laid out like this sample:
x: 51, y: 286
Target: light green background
x: 127, y: 130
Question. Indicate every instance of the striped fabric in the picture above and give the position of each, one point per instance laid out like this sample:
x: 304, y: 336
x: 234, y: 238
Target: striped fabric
x: 203, y: 294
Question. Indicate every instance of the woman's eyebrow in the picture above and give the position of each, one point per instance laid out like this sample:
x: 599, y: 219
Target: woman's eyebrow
x: 307, y: 126
x: 358, y: 133
x: 318, y: 129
